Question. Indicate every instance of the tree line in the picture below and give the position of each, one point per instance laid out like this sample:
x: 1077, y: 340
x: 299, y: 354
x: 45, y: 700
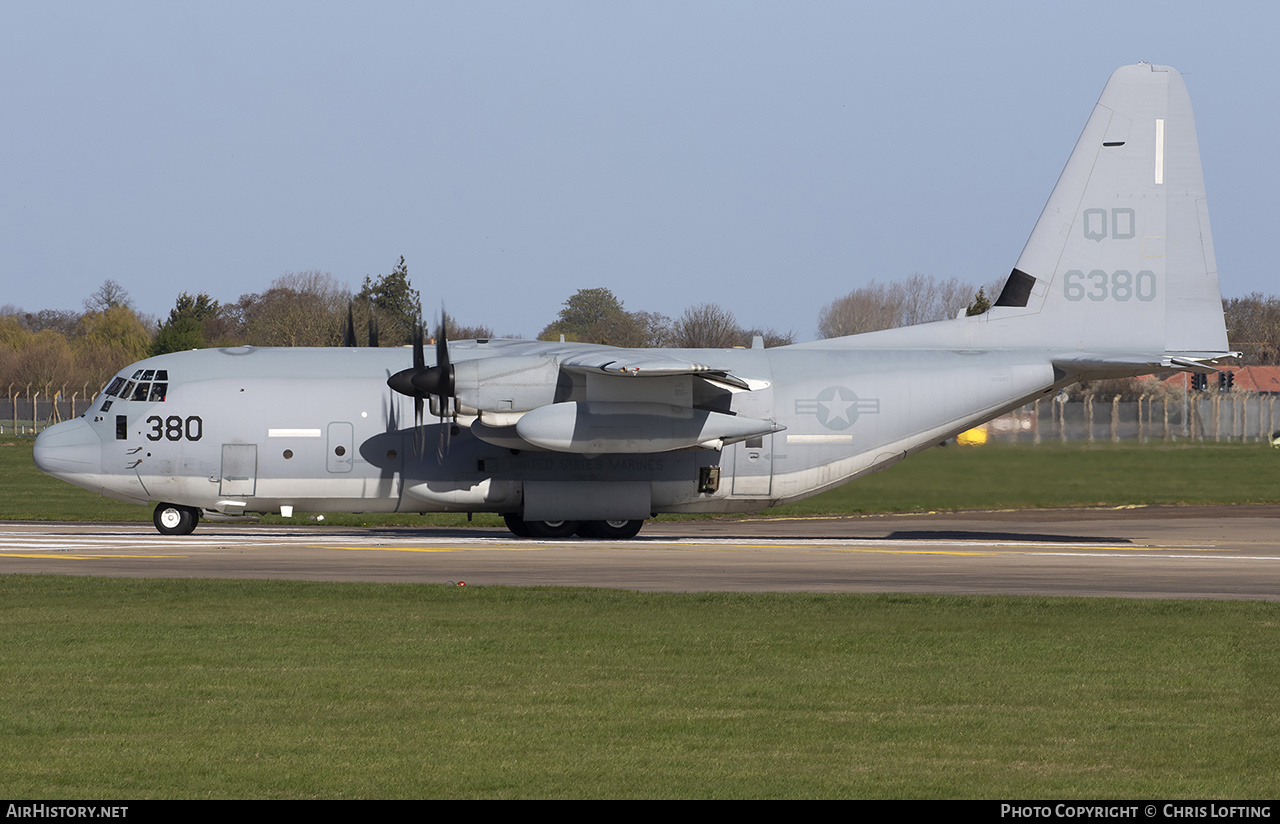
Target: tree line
x: 54, y: 349
x: 51, y: 349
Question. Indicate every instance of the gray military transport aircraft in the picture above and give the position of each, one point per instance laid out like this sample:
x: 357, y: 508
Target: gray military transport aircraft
x: 1117, y: 279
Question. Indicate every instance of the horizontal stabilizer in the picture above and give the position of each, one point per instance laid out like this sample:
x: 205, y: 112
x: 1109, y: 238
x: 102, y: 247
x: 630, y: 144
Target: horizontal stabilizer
x: 1087, y: 364
x: 1205, y: 365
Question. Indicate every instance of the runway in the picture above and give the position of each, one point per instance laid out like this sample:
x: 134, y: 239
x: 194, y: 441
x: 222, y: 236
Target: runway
x: 1228, y: 552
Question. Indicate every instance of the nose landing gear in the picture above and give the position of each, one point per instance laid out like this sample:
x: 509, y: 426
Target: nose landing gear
x: 172, y: 519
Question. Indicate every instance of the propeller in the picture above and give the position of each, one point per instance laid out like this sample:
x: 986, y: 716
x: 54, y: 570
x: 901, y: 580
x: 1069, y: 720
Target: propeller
x: 421, y: 381
x: 349, y: 334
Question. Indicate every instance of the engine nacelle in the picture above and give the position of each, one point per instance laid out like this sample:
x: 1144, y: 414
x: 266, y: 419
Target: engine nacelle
x: 506, y: 384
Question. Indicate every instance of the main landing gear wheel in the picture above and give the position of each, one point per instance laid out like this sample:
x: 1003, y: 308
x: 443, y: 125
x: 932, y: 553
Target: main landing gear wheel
x: 540, y: 529
x: 551, y: 529
x: 517, y: 525
x: 610, y: 530
x: 172, y: 519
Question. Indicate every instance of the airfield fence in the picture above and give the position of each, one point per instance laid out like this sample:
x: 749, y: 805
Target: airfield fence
x: 1193, y: 416
x: 27, y: 411
x: 1201, y: 416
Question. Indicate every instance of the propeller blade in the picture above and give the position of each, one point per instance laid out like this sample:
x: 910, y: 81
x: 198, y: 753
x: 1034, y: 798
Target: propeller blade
x: 443, y: 382
x: 442, y: 340
x: 349, y: 336
x: 419, y: 364
x: 417, y: 426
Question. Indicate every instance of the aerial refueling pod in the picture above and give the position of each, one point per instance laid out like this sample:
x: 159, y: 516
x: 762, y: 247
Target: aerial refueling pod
x: 599, y: 427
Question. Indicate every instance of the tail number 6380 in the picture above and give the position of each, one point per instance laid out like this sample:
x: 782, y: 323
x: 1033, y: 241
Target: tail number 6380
x: 1119, y: 285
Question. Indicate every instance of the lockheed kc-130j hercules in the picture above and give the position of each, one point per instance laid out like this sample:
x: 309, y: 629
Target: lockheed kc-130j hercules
x: 1117, y: 279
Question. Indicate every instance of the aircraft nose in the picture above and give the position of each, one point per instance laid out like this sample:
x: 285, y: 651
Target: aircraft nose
x: 69, y: 449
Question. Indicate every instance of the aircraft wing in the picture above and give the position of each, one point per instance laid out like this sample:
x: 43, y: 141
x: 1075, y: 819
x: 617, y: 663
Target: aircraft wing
x: 640, y: 363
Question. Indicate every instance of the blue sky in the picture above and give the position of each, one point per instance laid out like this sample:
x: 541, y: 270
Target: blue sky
x: 766, y: 156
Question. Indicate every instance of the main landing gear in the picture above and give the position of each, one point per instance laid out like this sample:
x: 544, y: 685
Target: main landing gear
x: 599, y: 530
x: 172, y: 519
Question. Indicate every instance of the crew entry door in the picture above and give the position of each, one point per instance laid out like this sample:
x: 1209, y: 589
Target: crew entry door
x: 239, y: 469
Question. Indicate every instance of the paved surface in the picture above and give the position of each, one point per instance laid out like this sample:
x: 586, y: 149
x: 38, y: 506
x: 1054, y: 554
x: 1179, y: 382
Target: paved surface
x: 1156, y: 552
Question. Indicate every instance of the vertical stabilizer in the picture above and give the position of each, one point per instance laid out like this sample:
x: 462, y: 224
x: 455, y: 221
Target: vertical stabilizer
x: 1122, y: 257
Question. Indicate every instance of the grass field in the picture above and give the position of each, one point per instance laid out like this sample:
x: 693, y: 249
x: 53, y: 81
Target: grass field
x: 116, y: 688
x: 273, y: 689
x: 990, y: 477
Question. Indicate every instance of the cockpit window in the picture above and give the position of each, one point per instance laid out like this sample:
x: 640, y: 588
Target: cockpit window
x: 142, y: 388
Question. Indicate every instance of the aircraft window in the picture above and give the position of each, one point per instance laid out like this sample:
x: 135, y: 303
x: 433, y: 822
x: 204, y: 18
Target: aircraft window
x: 140, y: 393
x: 158, y: 391
x: 105, y: 405
x: 288, y: 453
x: 137, y: 374
x: 114, y: 387
x: 162, y: 374
x: 340, y: 451
x: 149, y: 374
x: 127, y: 392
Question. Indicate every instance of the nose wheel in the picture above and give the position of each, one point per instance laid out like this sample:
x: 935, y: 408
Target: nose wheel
x: 172, y: 519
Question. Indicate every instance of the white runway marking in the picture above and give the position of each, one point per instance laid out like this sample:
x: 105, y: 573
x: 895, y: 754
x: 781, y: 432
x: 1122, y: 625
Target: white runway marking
x: 143, y: 539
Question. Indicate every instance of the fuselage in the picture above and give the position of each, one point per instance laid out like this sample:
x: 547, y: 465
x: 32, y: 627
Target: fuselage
x: 247, y: 430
